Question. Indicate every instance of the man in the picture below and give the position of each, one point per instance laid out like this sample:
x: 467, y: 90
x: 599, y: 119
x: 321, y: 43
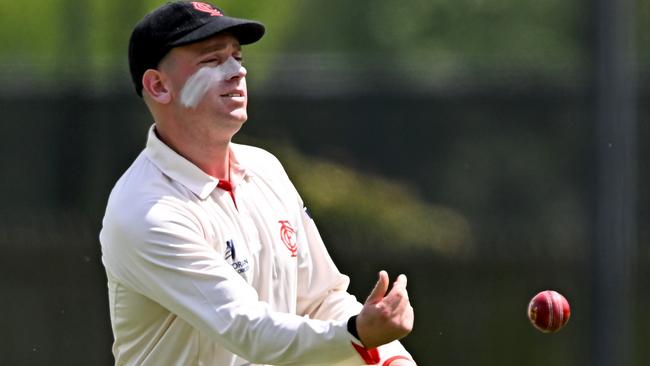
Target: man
x: 210, y: 255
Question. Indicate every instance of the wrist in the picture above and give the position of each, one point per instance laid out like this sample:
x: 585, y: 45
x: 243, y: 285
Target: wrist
x: 352, y: 327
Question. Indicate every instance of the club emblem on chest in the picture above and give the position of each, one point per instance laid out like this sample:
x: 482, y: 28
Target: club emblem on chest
x: 288, y: 237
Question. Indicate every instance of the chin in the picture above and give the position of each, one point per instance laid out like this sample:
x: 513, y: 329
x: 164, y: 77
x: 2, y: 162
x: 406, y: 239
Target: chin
x: 240, y: 116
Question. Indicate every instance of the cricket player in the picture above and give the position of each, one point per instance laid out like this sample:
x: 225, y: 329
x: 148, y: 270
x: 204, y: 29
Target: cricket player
x: 210, y: 255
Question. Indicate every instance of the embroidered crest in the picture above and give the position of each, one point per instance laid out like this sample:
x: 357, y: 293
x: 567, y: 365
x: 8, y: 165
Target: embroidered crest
x: 207, y: 8
x: 288, y: 237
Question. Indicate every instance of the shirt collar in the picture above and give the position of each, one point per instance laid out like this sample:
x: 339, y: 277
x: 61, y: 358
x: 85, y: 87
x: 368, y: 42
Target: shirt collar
x: 185, y: 172
x: 238, y: 172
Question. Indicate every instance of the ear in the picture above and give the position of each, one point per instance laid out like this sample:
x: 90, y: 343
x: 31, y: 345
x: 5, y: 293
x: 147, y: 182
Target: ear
x: 153, y: 83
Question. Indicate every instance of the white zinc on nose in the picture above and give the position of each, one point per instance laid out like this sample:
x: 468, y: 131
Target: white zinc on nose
x: 203, y: 79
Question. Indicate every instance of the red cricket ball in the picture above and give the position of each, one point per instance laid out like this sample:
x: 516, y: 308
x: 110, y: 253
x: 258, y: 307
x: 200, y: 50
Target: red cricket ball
x: 549, y: 311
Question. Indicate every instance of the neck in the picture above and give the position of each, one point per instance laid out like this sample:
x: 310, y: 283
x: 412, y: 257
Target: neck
x: 208, y: 151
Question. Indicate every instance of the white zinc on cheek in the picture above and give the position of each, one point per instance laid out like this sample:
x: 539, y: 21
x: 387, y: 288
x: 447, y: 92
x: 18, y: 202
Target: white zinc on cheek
x: 206, y: 77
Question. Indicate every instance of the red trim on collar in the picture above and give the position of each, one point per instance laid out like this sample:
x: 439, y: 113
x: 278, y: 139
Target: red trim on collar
x: 227, y: 186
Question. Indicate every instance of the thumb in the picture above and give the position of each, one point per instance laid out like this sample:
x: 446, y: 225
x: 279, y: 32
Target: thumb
x: 378, y: 293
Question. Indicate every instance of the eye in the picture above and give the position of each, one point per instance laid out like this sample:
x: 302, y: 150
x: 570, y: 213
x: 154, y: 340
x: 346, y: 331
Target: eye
x: 210, y: 60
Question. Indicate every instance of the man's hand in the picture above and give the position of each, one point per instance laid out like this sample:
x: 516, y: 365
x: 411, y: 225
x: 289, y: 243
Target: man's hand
x: 385, y: 317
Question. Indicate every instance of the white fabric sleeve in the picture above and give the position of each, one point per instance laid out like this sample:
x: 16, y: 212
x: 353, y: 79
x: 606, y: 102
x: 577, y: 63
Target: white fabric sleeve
x: 158, y: 250
x: 322, y: 289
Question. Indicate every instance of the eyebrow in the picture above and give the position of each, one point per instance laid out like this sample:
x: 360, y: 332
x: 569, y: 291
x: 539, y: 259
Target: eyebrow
x: 218, y: 46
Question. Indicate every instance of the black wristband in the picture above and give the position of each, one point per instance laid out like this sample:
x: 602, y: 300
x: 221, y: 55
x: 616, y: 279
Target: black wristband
x: 352, y: 327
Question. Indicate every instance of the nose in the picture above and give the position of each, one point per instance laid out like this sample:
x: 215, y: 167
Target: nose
x: 240, y: 73
x: 234, y: 69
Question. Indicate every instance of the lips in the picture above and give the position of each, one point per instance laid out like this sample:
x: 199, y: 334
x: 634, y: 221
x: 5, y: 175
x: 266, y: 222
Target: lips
x: 233, y: 94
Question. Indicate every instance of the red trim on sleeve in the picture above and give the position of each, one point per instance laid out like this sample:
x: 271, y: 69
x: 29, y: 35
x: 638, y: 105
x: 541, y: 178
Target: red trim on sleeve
x: 390, y: 360
x: 370, y: 356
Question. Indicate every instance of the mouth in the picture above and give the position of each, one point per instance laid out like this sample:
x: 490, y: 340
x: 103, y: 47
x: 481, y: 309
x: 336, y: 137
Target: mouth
x: 232, y: 95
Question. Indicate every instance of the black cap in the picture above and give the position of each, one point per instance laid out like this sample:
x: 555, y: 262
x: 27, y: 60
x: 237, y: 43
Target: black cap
x: 179, y: 23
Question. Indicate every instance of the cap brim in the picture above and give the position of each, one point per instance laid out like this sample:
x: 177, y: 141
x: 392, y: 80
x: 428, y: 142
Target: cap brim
x: 246, y: 31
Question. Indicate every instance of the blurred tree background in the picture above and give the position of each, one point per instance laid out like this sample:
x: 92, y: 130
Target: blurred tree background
x: 454, y: 141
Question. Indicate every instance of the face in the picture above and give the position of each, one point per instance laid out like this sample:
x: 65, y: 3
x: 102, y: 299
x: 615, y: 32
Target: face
x: 207, y: 78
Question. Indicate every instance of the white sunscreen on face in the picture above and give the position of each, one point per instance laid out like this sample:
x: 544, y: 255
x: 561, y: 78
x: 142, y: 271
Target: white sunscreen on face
x: 206, y: 77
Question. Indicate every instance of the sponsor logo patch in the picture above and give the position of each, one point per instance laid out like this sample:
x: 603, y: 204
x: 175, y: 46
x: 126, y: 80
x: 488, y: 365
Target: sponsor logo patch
x: 241, y: 266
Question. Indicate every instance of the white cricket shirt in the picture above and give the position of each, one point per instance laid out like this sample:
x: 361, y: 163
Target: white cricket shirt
x: 199, y: 277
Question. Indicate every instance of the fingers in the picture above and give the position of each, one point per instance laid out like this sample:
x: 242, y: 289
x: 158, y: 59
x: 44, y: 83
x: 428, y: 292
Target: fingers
x: 378, y: 293
x: 386, y: 315
x: 400, y: 282
x: 399, y: 287
x: 398, y: 293
x: 398, y: 296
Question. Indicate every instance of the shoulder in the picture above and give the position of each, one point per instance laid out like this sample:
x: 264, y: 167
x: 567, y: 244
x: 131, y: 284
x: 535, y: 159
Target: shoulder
x: 250, y: 154
x: 266, y: 168
x: 145, y: 229
x: 140, y: 185
x: 257, y: 159
x: 143, y: 202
